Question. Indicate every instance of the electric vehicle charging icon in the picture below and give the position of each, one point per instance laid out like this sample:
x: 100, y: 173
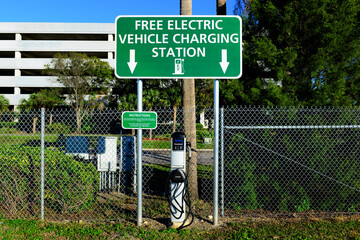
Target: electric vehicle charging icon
x: 179, y: 66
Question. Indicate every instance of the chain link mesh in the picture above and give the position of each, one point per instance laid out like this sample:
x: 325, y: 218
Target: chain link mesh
x: 91, y: 174
x: 272, y: 160
x: 290, y: 160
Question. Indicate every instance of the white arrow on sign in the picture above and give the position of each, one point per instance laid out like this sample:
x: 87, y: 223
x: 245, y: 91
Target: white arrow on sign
x: 132, y: 63
x: 224, y: 63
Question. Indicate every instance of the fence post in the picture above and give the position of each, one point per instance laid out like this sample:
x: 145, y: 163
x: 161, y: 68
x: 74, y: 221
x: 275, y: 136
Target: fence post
x: 222, y: 160
x: 42, y: 161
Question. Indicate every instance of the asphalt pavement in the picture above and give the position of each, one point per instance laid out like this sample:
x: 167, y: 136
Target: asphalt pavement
x: 162, y: 156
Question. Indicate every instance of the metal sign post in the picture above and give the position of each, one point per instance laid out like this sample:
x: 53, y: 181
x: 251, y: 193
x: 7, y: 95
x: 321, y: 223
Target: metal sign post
x: 216, y: 151
x: 139, y: 154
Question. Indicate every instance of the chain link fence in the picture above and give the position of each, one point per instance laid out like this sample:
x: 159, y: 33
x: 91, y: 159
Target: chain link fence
x: 278, y: 160
x: 272, y: 160
x: 91, y: 174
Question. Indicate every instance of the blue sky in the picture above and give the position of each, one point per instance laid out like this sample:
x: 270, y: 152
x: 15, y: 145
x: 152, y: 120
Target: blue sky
x: 97, y: 10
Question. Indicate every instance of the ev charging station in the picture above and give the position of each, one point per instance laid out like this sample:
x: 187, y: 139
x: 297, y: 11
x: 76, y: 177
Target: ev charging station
x: 178, y: 178
x: 178, y: 195
x: 217, y: 55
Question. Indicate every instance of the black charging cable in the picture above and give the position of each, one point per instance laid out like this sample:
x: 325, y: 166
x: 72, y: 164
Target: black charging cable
x: 179, y: 177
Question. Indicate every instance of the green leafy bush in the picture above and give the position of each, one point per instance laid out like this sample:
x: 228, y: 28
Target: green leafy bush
x: 7, y: 130
x: 8, y: 124
x: 70, y: 185
x: 58, y: 128
x: 204, y: 134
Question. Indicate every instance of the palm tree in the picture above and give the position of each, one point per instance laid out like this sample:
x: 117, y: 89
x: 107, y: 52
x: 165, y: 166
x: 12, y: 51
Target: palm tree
x: 128, y: 102
x: 190, y: 116
x: 4, y: 104
x: 46, y: 98
x: 151, y: 99
x: 173, y: 97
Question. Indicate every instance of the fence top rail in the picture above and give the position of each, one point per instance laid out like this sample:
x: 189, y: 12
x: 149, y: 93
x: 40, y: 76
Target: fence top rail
x: 293, y: 127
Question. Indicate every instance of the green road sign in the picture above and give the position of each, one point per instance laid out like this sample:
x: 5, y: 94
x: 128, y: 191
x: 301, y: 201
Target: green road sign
x: 178, y: 47
x: 139, y: 120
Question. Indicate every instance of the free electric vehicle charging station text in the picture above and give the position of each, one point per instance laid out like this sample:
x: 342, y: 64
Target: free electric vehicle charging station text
x: 178, y: 47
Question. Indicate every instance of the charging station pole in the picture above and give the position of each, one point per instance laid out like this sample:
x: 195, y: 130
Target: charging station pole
x: 139, y: 155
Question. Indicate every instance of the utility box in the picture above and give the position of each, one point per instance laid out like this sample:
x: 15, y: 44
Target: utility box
x: 128, y: 163
x: 78, y: 146
x: 128, y: 153
x: 107, y: 154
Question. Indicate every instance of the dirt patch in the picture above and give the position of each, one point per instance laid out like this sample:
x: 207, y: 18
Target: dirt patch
x: 207, y: 224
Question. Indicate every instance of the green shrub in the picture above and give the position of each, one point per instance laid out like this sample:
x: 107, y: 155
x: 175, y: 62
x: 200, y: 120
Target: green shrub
x: 70, y: 185
x: 8, y: 124
x: 199, y: 127
x: 7, y: 130
x: 58, y: 128
x: 204, y: 134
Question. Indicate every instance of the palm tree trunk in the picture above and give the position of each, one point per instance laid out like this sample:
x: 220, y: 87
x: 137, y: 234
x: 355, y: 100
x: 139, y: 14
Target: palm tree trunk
x: 175, y: 115
x: 150, y: 134
x: 190, y: 132
x: 34, y: 125
x: 221, y: 7
x: 189, y: 117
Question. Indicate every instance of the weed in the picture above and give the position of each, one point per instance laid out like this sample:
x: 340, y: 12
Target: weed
x: 33, y: 229
x: 303, y: 206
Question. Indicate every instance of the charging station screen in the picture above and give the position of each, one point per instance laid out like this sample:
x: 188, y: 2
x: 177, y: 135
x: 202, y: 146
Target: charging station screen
x: 178, y: 144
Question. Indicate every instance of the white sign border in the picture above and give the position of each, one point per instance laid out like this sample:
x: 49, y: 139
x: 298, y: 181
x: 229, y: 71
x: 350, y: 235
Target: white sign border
x: 122, y: 117
x: 169, y: 16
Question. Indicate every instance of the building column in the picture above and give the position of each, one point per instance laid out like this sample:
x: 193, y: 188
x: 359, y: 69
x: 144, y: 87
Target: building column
x: 110, y: 39
x: 18, y: 37
x: 17, y: 90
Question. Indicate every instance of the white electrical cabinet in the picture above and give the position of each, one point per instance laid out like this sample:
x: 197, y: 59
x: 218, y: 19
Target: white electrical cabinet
x: 107, y: 154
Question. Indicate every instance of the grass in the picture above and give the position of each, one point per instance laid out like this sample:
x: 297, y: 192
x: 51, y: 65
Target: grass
x: 307, y: 229
x: 15, y: 139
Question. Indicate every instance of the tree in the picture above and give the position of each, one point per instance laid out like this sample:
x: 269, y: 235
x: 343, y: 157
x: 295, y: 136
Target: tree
x: 45, y: 98
x: 151, y: 99
x: 190, y: 116
x: 4, y: 104
x: 81, y: 76
x: 221, y: 7
x: 204, y: 93
x: 121, y: 89
x: 172, y: 90
x: 299, y: 53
